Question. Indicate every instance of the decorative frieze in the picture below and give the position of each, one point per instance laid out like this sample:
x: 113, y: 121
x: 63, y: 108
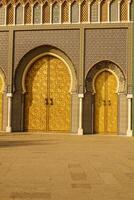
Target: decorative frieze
x: 73, y: 11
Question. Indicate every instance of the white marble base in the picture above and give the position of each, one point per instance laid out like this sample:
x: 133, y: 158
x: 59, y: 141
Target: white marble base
x: 8, y: 129
x: 129, y: 133
x: 80, y: 131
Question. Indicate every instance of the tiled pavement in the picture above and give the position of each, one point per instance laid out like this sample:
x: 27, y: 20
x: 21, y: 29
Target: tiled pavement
x: 66, y: 167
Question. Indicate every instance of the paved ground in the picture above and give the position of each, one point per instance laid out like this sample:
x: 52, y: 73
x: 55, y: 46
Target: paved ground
x: 63, y: 167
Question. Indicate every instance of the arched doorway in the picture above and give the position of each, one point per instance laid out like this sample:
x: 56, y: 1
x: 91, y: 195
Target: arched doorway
x: 105, y: 103
x: 47, y: 98
x: 116, y: 82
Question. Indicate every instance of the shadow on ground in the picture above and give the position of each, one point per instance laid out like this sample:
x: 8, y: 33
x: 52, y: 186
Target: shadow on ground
x: 18, y: 143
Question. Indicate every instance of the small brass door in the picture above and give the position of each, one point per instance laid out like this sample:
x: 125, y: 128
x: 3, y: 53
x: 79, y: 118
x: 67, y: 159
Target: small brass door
x: 106, y: 103
x: 1, y: 101
x: 47, y: 99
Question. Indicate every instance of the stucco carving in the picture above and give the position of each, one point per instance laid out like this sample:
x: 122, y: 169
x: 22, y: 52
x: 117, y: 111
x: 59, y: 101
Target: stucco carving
x: 108, y: 65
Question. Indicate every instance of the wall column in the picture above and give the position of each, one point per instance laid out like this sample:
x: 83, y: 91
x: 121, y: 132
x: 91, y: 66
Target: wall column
x: 99, y: 12
x: 23, y: 17
x: 60, y: 4
x: 108, y: 15
x: 129, y: 130
x: 14, y: 14
x: 5, y: 15
x: 32, y: 16
x: 69, y: 20
x: 41, y: 14
x: 9, y: 80
x: 80, y: 129
x: 51, y: 14
x: 9, y: 108
x: 119, y: 11
x: 129, y: 6
x: 89, y: 11
x: 79, y: 12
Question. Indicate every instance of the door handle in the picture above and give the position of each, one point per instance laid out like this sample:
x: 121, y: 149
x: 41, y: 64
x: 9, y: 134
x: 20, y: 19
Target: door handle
x: 104, y: 102
x: 46, y: 101
x: 109, y: 102
x: 51, y: 101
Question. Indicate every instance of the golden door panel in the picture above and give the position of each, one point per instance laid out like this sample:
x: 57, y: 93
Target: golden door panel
x: 47, y: 100
x: 1, y: 102
x: 111, y: 104
x: 106, y: 103
x: 60, y: 110
x: 36, y: 92
x: 100, y: 103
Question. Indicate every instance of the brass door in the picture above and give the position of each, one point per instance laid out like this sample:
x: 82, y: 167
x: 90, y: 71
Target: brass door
x: 1, y: 102
x: 59, y: 112
x: 36, y: 93
x: 47, y: 100
x: 106, y: 103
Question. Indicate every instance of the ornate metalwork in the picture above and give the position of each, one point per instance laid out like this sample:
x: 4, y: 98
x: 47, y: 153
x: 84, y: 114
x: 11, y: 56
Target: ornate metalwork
x: 105, y: 65
x: 56, y: 13
x: 94, y: 11
x: 19, y: 14
x: 106, y: 103
x: 65, y: 12
x: 75, y: 12
x: 84, y: 11
x: 47, y: 99
x: 124, y: 10
x: 37, y: 13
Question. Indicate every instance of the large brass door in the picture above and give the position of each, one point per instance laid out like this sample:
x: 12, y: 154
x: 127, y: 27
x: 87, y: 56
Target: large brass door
x: 47, y: 99
x: 106, y: 103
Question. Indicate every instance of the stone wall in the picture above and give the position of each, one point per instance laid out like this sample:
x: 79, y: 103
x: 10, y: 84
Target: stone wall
x: 67, y: 41
x: 4, y: 51
x: 106, y: 44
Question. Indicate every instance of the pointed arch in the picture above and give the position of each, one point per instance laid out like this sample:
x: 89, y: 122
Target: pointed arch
x: 46, y: 13
x: 114, y: 10
x: 65, y: 12
x: 19, y: 14
x: 74, y: 12
x: 124, y: 10
x: 10, y: 14
x: 94, y: 11
x: 84, y: 11
x: 2, y: 14
x: 56, y: 13
x: 27, y: 14
x: 104, y: 11
x: 37, y: 13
